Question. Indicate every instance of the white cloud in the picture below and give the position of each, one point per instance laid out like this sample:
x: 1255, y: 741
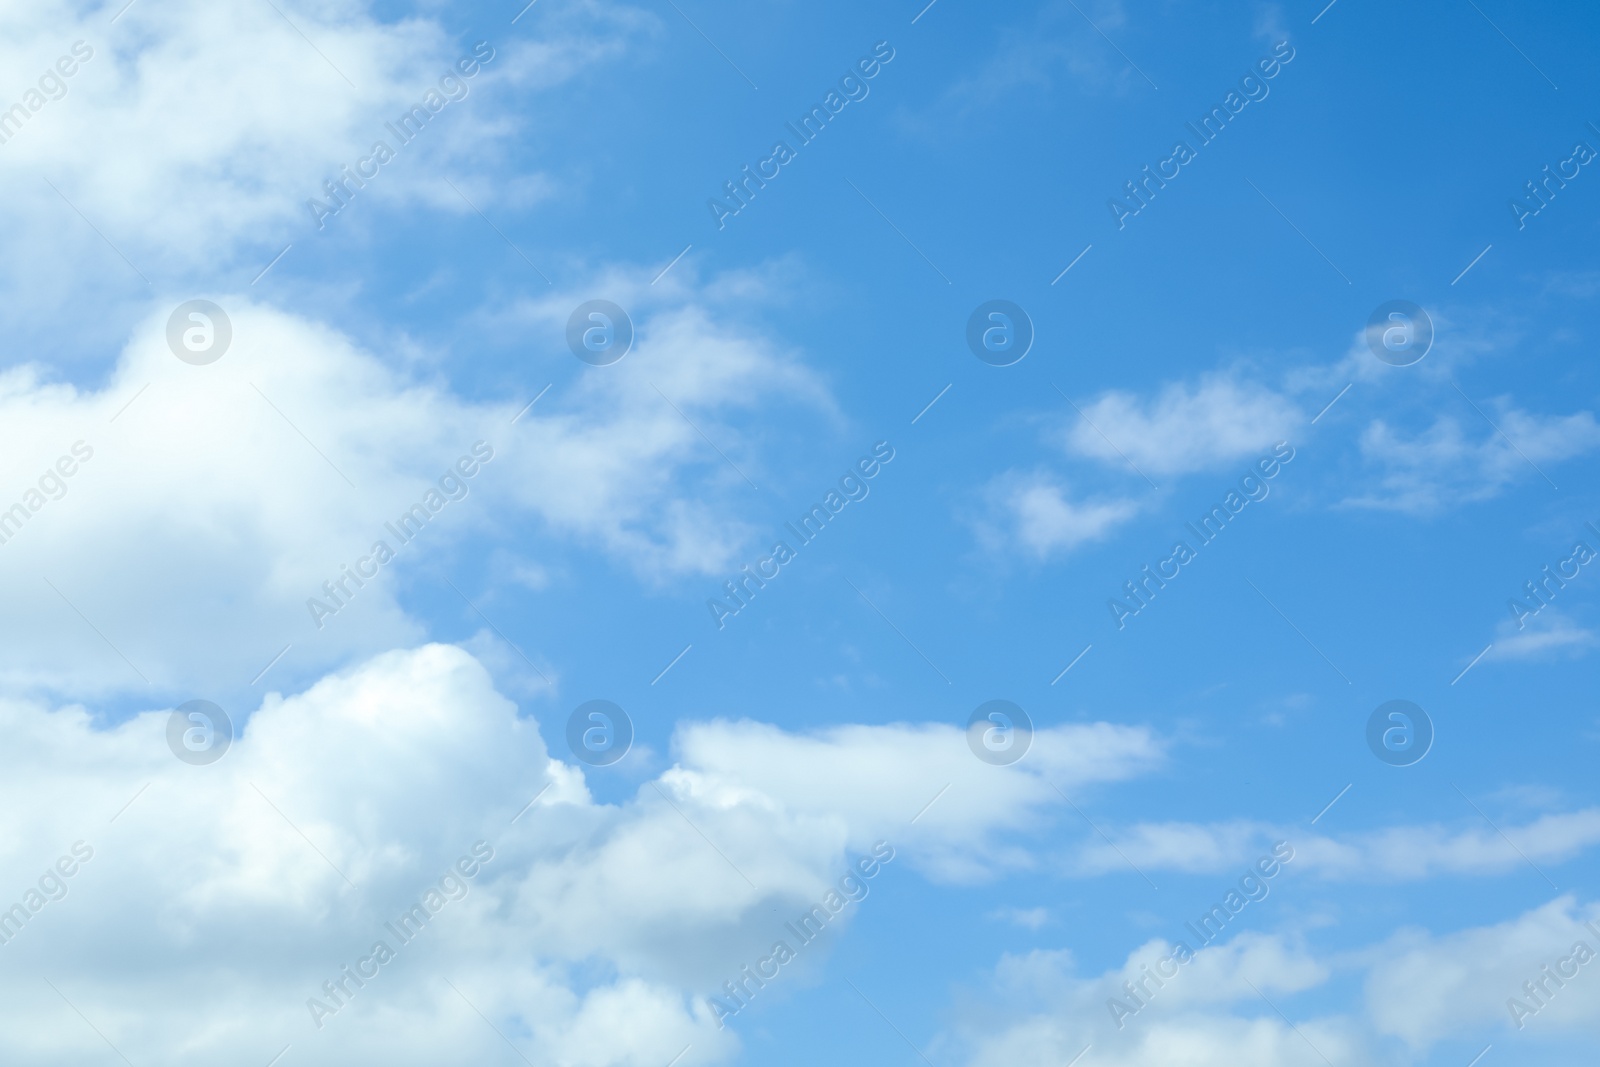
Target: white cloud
x: 1043, y: 521
x: 194, y: 136
x: 1222, y: 419
x: 589, y: 937
x: 1406, y: 852
x: 1462, y: 336
x: 1210, y: 1013
x: 1425, y: 851
x: 217, y: 502
x: 1046, y: 47
x: 181, y: 174
x: 882, y: 776
x: 1269, y: 25
x: 1549, y: 634
x: 1189, y: 847
x: 1450, y: 464
x: 1221, y: 1008
x: 1425, y: 988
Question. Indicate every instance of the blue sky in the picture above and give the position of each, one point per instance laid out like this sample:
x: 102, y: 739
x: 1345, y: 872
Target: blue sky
x: 1223, y: 323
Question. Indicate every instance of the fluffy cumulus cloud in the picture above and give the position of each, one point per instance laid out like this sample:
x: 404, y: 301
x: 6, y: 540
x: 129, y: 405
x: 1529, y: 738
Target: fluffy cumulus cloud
x: 179, y: 177
x: 206, y: 505
x: 162, y: 158
x: 407, y: 786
